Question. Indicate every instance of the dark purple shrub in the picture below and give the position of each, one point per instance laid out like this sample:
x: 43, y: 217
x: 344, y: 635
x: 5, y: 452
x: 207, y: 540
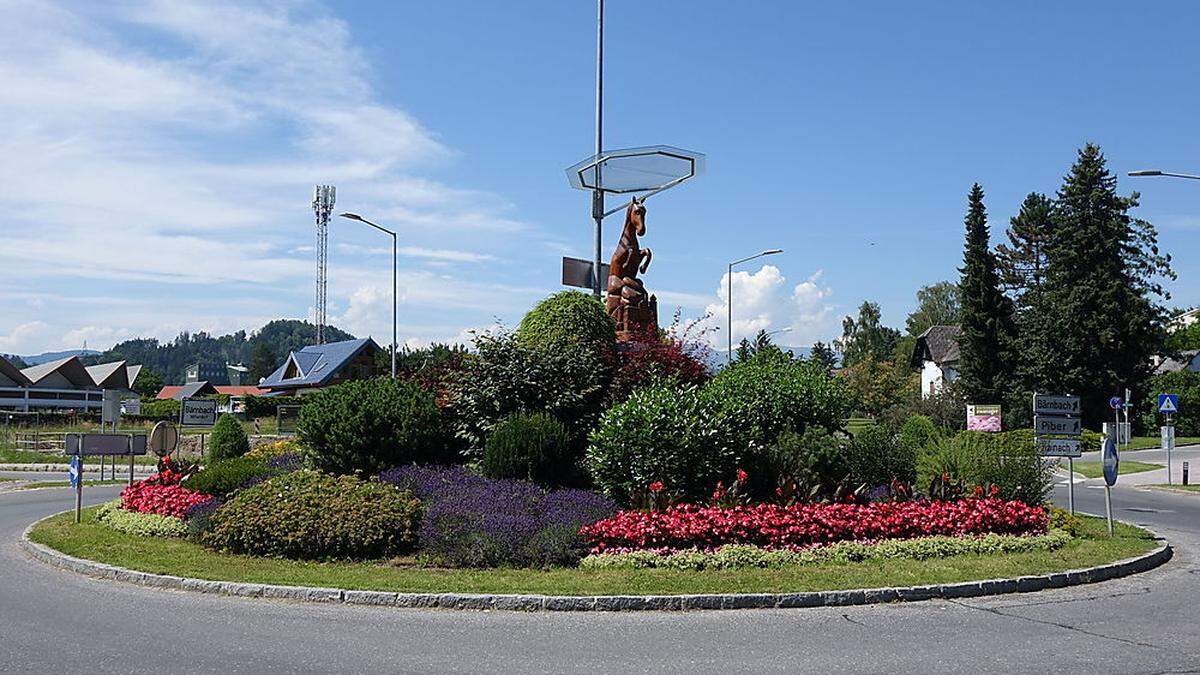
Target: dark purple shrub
x: 292, y: 461
x: 472, y: 521
x: 197, y: 516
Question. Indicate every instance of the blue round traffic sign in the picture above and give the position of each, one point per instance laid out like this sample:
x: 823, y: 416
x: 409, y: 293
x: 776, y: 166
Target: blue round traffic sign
x: 1115, y: 402
x: 1111, y: 461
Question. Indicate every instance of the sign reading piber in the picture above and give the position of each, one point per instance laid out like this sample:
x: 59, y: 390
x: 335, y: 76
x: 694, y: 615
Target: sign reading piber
x: 1052, y: 425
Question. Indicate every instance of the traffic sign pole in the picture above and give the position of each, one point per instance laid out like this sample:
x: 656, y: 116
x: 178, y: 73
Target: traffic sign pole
x: 79, y: 492
x: 1071, y: 485
x: 1108, y: 507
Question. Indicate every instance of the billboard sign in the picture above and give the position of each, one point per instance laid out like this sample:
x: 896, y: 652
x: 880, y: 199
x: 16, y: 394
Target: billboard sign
x: 984, y: 418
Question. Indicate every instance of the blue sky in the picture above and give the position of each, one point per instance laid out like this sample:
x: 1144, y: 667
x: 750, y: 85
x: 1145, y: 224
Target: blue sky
x: 158, y: 157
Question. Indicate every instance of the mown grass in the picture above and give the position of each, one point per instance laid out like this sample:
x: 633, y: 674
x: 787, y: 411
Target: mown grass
x: 94, y: 541
x: 1155, y: 442
x: 1096, y: 469
x: 1181, y: 488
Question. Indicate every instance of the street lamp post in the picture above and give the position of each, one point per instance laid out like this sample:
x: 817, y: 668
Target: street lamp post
x: 1156, y: 172
x: 729, y: 299
x: 355, y: 216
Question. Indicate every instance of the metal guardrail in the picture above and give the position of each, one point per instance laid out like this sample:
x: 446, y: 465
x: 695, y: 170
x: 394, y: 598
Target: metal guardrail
x: 39, y: 441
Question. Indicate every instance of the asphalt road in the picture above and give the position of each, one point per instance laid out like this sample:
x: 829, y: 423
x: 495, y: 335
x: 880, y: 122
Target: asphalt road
x: 55, y: 621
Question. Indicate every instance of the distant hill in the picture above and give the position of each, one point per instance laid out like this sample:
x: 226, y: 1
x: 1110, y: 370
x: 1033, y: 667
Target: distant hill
x: 170, y: 359
x: 46, y: 357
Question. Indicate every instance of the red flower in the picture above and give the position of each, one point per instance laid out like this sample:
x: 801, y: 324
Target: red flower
x: 742, y: 476
x: 656, y: 486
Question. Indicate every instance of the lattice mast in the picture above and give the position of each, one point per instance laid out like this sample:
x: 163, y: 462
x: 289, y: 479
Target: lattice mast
x: 323, y: 198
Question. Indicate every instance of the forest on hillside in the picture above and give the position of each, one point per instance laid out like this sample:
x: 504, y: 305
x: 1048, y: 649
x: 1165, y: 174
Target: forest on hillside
x: 261, y: 350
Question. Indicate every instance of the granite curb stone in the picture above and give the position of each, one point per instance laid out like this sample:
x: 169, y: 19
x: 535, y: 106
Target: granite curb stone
x: 604, y: 603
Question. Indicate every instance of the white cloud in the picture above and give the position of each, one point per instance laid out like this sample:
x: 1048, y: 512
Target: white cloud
x: 763, y: 301
x: 24, y: 338
x: 181, y: 154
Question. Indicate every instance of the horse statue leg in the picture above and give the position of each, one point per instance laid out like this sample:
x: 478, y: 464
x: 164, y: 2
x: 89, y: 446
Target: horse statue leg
x: 647, y: 254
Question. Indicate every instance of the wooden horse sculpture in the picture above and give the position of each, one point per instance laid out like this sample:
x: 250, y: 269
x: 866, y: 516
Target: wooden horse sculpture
x: 634, y: 311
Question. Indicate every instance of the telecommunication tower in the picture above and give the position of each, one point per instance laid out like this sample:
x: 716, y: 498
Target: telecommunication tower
x: 323, y: 199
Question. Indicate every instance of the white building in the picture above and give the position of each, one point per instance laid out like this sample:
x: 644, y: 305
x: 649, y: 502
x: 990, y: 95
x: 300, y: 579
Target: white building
x: 936, y: 354
x: 62, y: 385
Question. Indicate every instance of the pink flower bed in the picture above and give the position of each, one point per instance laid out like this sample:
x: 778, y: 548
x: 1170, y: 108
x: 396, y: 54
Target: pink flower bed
x: 803, y: 525
x: 161, y: 494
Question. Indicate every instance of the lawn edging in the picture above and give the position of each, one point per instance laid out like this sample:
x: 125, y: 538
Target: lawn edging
x: 552, y: 603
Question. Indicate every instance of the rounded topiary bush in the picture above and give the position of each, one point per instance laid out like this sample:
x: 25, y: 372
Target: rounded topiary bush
x: 228, y: 439
x: 661, y: 433
x: 311, y: 516
x: 569, y: 318
x: 532, y: 447
x: 367, y: 426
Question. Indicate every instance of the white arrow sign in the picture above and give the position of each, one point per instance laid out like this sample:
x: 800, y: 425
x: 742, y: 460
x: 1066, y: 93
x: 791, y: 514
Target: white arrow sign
x: 1058, y: 426
x: 1059, y: 447
x: 1045, y: 404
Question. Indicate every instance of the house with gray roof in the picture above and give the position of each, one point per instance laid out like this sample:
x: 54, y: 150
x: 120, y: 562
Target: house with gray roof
x: 318, y: 366
x: 936, y: 354
x: 64, y: 384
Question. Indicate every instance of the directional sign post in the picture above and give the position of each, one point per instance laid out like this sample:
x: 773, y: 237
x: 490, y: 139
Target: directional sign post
x: 76, y: 473
x: 1056, y: 428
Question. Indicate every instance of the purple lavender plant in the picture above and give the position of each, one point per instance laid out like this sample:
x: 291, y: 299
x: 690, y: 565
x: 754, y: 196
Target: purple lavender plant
x: 472, y: 521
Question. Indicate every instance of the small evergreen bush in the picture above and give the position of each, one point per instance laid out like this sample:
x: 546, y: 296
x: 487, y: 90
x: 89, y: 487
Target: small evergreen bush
x: 367, y: 426
x: 228, y: 439
x: 227, y: 476
x: 311, y: 516
x: 532, y: 447
x: 805, y: 466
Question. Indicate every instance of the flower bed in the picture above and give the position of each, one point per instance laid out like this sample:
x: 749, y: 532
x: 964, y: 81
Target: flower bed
x: 740, y: 556
x: 803, y: 525
x: 472, y: 521
x: 139, y: 524
x: 161, y: 494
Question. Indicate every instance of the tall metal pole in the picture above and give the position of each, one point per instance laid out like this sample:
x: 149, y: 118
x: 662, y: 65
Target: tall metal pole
x: 395, y: 301
x: 598, y: 194
x: 729, y: 317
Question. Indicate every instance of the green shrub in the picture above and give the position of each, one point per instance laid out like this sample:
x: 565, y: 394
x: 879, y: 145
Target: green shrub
x: 532, y: 447
x: 1062, y: 519
x: 943, y: 461
x: 139, y: 524
x: 569, y: 318
x: 228, y: 439
x: 662, y: 432
x: 809, y: 466
x: 227, y: 476
x: 1009, y: 462
x: 917, y: 433
x: 756, y: 399
x: 505, y: 377
x: 877, y: 457
x: 367, y: 426
x: 311, y: 516
x: 1187, y: 385
x: 160, y: 409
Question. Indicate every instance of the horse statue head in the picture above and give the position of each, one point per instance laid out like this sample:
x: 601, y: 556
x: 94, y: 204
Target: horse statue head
x: 635, y: 215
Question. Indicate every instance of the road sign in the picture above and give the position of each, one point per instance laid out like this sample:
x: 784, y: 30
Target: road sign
x: 1053, y: 425
x: 110, y: 409
x: 578, y: 272
x: 1059, y: 447
x: 1111, y: 461
x: 1168, y: 403
x: 164, y: 437
x: 1115, y: 402
x: 198, y: 412
x: 131, y: 406
x: 104, y: 444
x: 73, y: 472
x: 1046, y: 404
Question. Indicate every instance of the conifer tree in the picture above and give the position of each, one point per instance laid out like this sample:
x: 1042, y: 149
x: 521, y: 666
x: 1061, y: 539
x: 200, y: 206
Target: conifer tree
x: 1100, y: 320
x: 985, y: 370
x: 1021, y: 262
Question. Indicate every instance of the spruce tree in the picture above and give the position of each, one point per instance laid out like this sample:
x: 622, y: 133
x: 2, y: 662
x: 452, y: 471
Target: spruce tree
x: 984, y: 368
x: 1100, y: 321
x: 1022, y: 261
